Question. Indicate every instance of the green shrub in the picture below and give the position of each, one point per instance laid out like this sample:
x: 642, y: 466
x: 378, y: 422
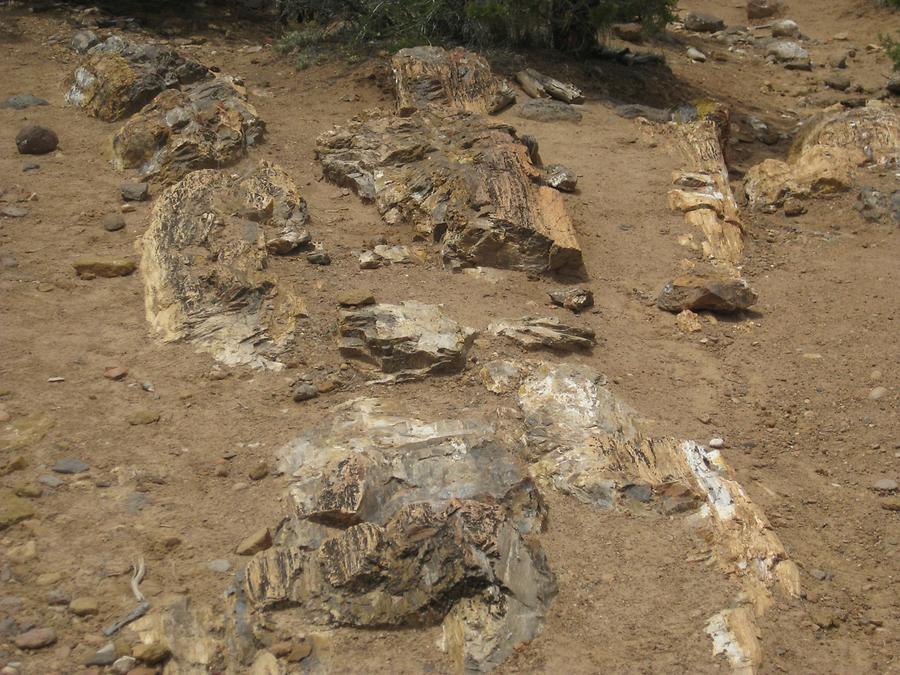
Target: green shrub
x: 571, y: 25
x: 892, y: 47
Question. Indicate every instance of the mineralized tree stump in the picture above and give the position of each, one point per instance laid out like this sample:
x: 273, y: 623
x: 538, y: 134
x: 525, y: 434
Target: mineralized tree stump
x: 206, y: 125
x: 205, y: 264
x: 118, y: 77
x: 460, y: 179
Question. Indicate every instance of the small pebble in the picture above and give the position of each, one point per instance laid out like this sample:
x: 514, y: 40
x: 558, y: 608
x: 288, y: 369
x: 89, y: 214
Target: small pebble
x: 717, y: 443
x: 220, y: 565
x: 70, y: 465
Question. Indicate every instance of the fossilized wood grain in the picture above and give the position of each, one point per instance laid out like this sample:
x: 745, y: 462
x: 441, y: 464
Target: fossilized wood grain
x: 456, y: 178
x: 703, y: 193
x: 206, y: 125
x: 204, y: 264
x: 458, y: 79
x: 827, y: 154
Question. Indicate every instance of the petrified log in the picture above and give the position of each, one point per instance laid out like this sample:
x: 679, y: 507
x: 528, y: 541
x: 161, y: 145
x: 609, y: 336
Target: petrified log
x: 713, y: 292
x: 404, y: 341
x: 826, y: 155
x: 119, y: 77
x: 538, y: 85
x: 204, y: 264
x: 459, y: 179
x: 459, y: 79
x: 544, y: 333
x: 588, y: 444
x: 703, y: 193
x: 397, y: 520
x: 206, y: 125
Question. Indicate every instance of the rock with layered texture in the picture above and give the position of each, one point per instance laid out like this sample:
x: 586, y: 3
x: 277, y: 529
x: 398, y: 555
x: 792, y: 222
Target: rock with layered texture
x: 827, y: 155
x: 702, y: 191
x: 205, y: 125
x: 538, y: 85
x: 404, y: 341
x: 583, y: 441
x: 460, y: 179
x: 397, y: 520
x: 119, y: 77
x: 544, y: 333
x: 428, y: 76
x: 204, y: 263
x: 715, y: 292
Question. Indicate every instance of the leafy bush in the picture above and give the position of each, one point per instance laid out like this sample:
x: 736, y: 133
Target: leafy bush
x: 571, y: 25
x: 892, y: 47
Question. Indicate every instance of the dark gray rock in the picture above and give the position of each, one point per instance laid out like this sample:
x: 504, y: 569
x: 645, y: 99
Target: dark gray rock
x: 70, y: 465
x: 113, y: 222
x: 135, y: 192
x: 36, y: 140
x: 762, y: 9
x: 22, y: 101
x: 576, y: 299
x: 83, y: 40
x: 304, y: 391
x: 710, y: 292
x: 560, y: 177
x: 318, y: 258
x: 703, y: 23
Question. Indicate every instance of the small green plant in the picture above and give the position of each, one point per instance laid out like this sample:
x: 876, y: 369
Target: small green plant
x: 308, y: 35
x: 892, y: 48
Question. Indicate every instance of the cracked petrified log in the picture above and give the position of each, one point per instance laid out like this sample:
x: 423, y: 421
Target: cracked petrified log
x: 404, y: 341
x: 425, y: 77
x: 205, y: 263
x: 586, y: 443
x: 544, y: 333
x: 538, y: 85
x: 398, y: 521
x: 205, y: 125
x: 119, y: 76
x: 457, y: 178
x: 827, y: 154
x: 702, y: 191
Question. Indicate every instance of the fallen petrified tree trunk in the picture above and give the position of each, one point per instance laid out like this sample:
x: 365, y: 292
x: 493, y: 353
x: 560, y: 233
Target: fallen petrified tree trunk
x: 451, y: 173
x: 703, y: 193
x: 204, y: 264
x: 398, y: 521
x: 827, y: 153
x: 459, y: 179
x: 118, y: 77
x: 206, y: 125
x: 538, y: 85
x: 588, y: 444
x: 458, y: 79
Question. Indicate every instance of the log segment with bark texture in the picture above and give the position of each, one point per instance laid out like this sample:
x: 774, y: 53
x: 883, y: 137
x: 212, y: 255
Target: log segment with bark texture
x: 458, y: 78
x: 538, y: 85
x: 703, y: 193
x: 204, y: 264
x: 452, y: 174
x: 587, y: 443
x: 828, y: 152
x: 459, y: 179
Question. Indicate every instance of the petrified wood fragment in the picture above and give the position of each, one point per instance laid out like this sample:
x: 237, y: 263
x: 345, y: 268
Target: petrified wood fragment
x: 205, y: 125
x: 538, y: 85
x: 118, y: 77
x: 397, y: 520
x: 826, y: 155
x: 404, y: 341
x: 586, y: 443
x: 459, y: 79
x: 544, y: 333
x: 459, y: 179
x: 205, y: 261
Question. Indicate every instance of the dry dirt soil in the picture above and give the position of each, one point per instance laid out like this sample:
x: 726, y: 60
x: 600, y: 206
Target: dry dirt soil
x: 787, y: 385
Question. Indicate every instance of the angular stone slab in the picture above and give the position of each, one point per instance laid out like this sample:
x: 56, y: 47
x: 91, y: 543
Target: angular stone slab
x: 404, y: 341
x: 457, y: 178
x: 206, y: 125
x: 118, y: 77
x: 459, y: 79
x: 702, y: 291
x: 204, y: 264
x: 827, y: 154
x: 397, y: 520
x: 544, y: 333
